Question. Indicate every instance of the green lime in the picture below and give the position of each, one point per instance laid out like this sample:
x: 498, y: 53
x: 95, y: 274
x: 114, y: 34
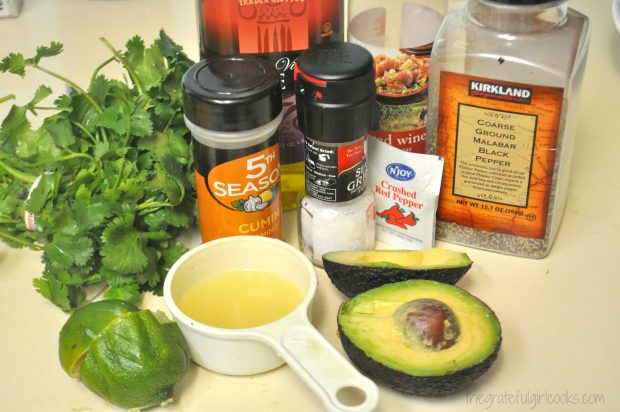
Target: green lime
x: 127, y: 356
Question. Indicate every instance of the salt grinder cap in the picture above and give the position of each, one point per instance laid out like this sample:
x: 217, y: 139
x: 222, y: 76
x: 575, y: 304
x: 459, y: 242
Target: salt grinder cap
x: 335, y: 91
x: 232, y: 93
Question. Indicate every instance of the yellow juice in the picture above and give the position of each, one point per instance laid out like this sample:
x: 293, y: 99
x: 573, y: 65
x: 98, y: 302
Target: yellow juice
x: 240, y: 299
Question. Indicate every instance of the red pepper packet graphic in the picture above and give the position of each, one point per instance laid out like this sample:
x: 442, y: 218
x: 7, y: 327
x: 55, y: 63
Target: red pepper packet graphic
x: 406, y: 188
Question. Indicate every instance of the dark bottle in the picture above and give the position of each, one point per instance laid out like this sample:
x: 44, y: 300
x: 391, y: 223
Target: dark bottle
x: 277, y: 31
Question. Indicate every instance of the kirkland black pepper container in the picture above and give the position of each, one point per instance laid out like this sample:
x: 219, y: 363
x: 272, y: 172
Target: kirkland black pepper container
x: 503, y: 105
x: 233, y: 107
x: 335, y: 94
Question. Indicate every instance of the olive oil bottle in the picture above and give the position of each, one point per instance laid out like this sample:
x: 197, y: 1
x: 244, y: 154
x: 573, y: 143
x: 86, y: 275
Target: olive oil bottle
x: 277, y: 31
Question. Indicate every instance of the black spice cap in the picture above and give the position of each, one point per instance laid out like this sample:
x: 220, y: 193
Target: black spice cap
x: 335, y: 91
x: 232, y: 93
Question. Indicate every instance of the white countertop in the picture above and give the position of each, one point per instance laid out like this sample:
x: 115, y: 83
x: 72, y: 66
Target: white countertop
x: 558, y: 314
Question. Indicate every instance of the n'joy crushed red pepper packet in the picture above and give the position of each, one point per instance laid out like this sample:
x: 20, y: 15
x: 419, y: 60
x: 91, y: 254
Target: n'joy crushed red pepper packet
x: 406, y: 189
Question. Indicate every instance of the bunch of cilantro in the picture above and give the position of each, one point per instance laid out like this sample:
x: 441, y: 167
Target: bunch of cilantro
x: 107, y: 176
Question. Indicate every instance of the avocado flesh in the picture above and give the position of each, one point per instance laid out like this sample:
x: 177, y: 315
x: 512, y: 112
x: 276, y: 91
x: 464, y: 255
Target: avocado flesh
x: 377, y: 345
x: 412, y: 259
x: 353, y: 272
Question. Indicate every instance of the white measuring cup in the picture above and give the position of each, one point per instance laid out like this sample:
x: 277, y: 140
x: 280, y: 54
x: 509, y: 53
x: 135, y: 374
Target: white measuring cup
x: 291, y: 339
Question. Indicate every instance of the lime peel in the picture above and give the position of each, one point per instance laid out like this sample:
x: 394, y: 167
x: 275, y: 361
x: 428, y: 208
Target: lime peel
x: 133, y: 357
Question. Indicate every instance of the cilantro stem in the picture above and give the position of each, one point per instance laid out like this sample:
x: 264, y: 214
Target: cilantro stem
x: 97, y: 70
x: 101, y: 132
x: 24, y: 177
x: 72, y: 84
x: 66, y: 157
x: 85, y: 131
x: 120, y: 58
x: 4, y: 219
x: 150, y: 205
x: 128, y: 108
x: 120, y: 174
x: 7, y: 98
x: 169, y: 122
x: 48, y: 108
x: 19, y: 241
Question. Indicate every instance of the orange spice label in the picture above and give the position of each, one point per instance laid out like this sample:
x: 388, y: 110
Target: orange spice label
x: 498, y: 140
x: 240, y: 194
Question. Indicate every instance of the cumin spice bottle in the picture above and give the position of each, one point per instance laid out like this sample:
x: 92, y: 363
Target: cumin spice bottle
x: 505, y: 77
x: 233, y: 107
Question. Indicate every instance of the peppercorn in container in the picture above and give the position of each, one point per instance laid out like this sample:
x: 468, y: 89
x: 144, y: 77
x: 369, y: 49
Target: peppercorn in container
x: 335, y: 93
x: 233, y: 107
x: 505, y: 77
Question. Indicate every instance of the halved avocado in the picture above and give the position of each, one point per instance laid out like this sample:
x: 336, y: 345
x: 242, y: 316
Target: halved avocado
x: 353, y: 272
x: 420, y: 337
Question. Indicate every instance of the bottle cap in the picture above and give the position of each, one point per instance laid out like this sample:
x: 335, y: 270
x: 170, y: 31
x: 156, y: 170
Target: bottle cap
x: 232, y: 93
x: 335, y: 91
x: 525, y: 2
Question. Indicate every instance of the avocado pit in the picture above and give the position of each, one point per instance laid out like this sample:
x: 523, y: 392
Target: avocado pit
x: 428, y: 322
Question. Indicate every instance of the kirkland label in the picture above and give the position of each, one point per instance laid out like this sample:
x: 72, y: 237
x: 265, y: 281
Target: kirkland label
x: 498, y: 139
x: 336, y: 173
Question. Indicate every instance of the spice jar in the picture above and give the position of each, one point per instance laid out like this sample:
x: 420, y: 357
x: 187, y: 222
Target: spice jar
x: 277, y: 31
x: 400, y: 35
x: 335, y: 94
x: 505, y: 76
x: 233, y: 107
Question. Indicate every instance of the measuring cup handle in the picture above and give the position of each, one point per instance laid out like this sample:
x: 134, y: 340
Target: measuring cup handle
x: 337, y: 383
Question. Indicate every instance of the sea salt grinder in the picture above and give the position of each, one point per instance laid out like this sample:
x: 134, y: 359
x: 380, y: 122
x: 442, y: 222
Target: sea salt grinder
x: 335, y: 92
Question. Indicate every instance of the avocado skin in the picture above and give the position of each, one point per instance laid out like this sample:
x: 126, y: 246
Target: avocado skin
x: 433, y: 386
x: 353, y: 280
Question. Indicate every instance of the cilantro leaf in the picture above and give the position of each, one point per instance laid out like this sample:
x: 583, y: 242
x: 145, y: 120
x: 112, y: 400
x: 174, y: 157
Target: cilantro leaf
x: 37, y: 146
x: 54, y: 49
x: 123, y: 249
x: 64, y: 296
x: 162, y: 218
x: 41, y: 93
x: 147, y: 64
x: 129, y: 293
x: 171, y: 254
x: 53, y: 290
x: 14, y: 63
x: 167, y: 46
x: 141, y: 124
x: 14, y: 125
x: 41, y: 193
x: 59, y: 127
x: 112, y: 118
x: 100, y: 89
x: 115, y: 168
x: 67, y: 250
x: 89, y: 213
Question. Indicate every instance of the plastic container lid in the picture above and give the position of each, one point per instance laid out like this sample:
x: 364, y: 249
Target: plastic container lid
x: 524, y: 2
x: 335, y: 91
x: 232, y: 93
